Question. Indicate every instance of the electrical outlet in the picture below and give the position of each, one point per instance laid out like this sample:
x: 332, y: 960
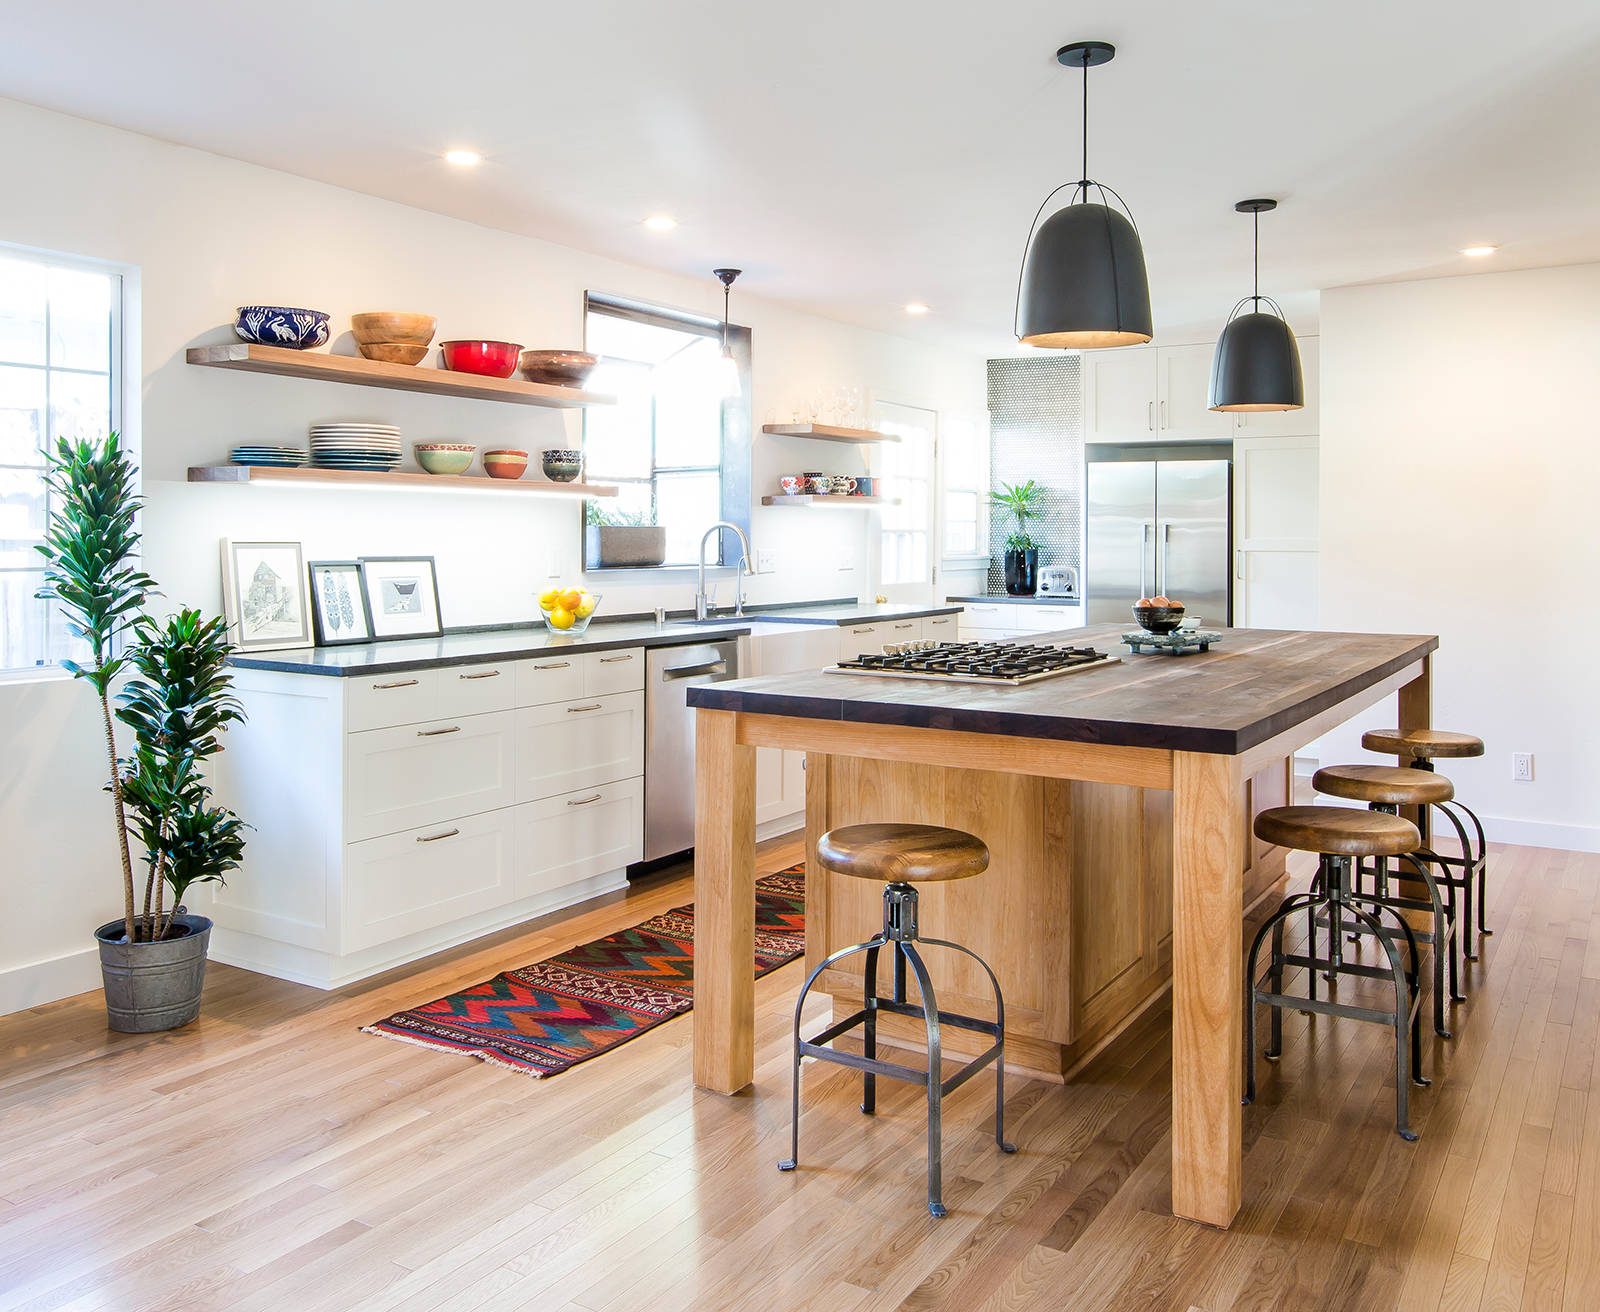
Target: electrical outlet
x: 552, y: 565
x: 1522, y: 767
x: 766, y: 560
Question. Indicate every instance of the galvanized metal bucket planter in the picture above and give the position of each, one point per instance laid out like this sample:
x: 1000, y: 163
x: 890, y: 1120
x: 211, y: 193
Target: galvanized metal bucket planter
x: 153, y: 986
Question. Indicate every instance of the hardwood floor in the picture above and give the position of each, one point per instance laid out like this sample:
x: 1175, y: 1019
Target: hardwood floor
x: 273, y: 1157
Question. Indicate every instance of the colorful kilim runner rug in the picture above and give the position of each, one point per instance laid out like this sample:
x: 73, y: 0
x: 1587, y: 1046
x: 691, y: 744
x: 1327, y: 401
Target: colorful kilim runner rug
x: 546, y: 1017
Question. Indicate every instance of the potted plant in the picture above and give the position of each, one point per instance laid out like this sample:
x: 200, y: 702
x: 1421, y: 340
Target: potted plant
x: 623, y: 537
x: 176, y: 701
x: 1022, y: 552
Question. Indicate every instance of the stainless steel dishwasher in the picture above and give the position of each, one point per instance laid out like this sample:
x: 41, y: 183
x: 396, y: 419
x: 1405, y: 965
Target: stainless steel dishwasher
x: 669, y: 738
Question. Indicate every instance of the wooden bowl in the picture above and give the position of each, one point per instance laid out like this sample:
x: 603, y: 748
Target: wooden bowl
x: 393, y: 327
x: 559, y: 368
x: 393, y: 352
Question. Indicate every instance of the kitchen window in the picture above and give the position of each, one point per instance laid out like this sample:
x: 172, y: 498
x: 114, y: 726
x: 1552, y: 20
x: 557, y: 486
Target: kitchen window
x: 60, y: 376
x: 676, y: 445
x: 906, y: 469
x: 965, y: 462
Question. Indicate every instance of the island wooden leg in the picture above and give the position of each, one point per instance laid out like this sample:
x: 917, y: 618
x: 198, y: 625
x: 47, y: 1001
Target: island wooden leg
x: 1208, y: 858
x: 724, y: 904
x: 1416, y: 712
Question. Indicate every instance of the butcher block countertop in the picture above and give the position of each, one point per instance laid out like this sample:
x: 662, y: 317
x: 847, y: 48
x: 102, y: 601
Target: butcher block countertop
x: 1255, y: 684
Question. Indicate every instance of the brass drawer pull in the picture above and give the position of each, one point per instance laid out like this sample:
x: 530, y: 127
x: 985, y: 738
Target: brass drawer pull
x: 611, y: 660
x: 868, y: 630
x: 434, y: 733
x: 905, y: 626
x: 584, y: 801
x: 434, y: 838
x: 573, y: 710
x: 554, y: 665
x: 398, y: 683
x: 487, y: 674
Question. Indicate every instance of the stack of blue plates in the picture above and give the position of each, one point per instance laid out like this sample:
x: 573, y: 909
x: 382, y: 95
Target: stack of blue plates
x: 355, y: 446
x: 269, y: 455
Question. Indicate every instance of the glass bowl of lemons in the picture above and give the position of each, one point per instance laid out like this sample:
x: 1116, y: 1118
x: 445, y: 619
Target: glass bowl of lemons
x: 568, y: 610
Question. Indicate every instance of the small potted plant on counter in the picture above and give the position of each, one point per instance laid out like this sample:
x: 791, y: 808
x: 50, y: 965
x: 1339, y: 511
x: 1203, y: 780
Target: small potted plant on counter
x: 176, y: 701
x: 1022, y: 552
x: 623, y: 537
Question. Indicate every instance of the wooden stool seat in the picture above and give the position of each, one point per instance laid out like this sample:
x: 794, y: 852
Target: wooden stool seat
x: 906, y: 854
x: 1387, y: 784
x: 1422, y: 744
x: 1337, y: 830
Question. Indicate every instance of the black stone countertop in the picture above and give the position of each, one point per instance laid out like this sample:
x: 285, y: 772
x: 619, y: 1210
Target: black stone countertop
x: 471, y: 647
x: 1045, y: 599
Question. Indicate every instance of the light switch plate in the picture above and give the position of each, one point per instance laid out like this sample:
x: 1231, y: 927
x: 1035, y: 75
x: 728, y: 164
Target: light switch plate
x: 766, y: 560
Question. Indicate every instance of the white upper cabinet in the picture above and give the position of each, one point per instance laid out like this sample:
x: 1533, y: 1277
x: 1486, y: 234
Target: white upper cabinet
x: 1291, y: 423
x: 1119, y: 395
x: 1183, y: 408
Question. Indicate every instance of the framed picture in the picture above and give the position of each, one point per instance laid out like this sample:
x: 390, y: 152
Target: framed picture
x: 339, y: 610
x: 264, y: 595
x: 402, y: 596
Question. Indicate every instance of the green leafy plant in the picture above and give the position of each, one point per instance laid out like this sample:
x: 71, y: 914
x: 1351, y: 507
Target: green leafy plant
x: 603, y: 516
x: 176, y: 700
x: 1021, y: 500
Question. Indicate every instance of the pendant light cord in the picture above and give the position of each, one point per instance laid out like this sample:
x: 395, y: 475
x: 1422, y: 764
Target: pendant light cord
x: 1084, y: 176
x: 1257, y: 292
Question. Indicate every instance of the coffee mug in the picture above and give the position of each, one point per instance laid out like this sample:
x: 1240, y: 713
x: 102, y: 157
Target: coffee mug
x: 792, y: 484
x: 811, y: 481
x: 821, y: 484
x: 865, y: 485
x: 843, y: 484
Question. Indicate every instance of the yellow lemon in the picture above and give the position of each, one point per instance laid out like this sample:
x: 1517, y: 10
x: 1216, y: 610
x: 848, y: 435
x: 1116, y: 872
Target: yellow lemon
x: 586, y: 606
x: 550, y: 600
x: 561, y: 618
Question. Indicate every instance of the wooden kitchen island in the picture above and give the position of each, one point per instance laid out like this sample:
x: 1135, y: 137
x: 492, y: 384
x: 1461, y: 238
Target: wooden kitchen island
x: 1117, y: 804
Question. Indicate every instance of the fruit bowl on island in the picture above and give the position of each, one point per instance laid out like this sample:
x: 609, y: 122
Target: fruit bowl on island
x: 1158, y: 614
x: 568, y: 610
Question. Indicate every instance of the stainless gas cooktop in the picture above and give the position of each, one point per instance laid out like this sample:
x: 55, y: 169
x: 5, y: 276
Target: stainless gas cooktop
x: 975, y: 662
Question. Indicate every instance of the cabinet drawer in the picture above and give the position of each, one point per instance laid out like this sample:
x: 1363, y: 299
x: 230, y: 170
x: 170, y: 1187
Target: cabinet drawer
x: 417, y: 774
x: 854, y: 639
x: 944, y: 628
x: 973, y: 633
x: 606, y: 672
x: 549, y: 679
x: 902, y: 630
x: 374, y: 701
x: 475, y: 689
x: 1043, y: 618
x: 987, y: 615
x: 422, y: 878
x: 578, y: 744
x: 574, y: 836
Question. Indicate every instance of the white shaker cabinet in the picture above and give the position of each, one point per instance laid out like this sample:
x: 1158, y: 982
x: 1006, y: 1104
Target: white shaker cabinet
x: 1183, y: 402
x: 1119, y: 395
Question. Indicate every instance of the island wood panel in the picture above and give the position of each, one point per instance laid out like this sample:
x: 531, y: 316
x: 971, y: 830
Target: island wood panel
x: 1074, y: 914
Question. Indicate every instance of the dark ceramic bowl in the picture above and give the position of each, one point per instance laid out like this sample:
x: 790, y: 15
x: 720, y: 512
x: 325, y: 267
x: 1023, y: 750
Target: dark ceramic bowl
x: 559, y: 368
x: 282, y: 325
x: 561, y: 466
x: 1158, y: 619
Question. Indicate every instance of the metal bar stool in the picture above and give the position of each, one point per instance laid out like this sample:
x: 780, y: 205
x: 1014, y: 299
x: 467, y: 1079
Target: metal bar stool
x: 903, y: 855
x: 1337, y: 835
x: 1418, y: 749
x: 1385, y: 789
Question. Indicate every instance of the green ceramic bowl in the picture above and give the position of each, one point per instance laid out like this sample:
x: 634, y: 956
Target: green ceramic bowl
x: 444, y: 457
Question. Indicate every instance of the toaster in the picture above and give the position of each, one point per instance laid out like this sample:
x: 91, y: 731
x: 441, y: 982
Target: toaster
x: 1058, y: 581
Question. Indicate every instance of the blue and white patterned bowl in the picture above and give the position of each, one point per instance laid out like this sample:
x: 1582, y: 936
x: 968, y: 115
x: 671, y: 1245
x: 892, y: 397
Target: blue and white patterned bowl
x: 282, y: 325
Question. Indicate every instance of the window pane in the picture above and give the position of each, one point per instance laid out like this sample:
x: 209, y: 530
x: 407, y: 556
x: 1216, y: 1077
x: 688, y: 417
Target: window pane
x: 617, y: 438
x: 689, y: 407
x: 22, y: 518
x: 687, y: 505
x: 22, y: 305
x: 22, y: 404
x: 634, y: 504
x: 80, y: 319
x: 80, y: 405
x: 22, y: 621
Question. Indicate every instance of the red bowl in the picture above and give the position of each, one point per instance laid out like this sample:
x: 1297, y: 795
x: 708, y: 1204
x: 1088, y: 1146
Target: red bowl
x: 496, y: 359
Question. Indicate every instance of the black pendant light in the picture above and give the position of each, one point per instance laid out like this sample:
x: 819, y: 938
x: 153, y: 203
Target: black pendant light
x: 1083, y: 282
x: 1257, y: 363
x: 727, y: 367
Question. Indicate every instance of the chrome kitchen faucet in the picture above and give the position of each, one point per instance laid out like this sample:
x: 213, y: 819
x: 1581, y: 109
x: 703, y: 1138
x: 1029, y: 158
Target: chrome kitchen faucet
x: 701, y: 601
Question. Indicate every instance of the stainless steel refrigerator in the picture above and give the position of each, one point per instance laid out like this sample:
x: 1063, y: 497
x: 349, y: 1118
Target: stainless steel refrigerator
x: 1159, y: 521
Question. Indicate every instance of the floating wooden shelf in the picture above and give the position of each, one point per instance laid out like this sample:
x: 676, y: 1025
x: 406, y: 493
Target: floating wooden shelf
x: 396, y: 377
x: 395, y: 479
x: 809, y: 499
x: 829, y: 433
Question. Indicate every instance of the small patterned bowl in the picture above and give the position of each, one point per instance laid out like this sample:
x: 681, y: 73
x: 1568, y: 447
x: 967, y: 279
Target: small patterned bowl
x: 282, y: 325
x: 444, y: 457
x: 561, y: 466
x: 505, y: 464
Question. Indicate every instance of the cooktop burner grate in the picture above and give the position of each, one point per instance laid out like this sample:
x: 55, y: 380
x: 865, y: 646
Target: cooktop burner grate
x: 975, y: 662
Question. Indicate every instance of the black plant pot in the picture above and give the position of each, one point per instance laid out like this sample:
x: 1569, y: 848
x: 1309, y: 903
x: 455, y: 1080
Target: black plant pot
x: 1022, y: 572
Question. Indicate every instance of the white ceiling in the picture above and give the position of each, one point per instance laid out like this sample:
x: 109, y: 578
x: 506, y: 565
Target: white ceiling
x: 854, y: 155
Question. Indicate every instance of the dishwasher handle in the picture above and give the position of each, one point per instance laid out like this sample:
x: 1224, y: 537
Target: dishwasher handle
x: 689, y: 671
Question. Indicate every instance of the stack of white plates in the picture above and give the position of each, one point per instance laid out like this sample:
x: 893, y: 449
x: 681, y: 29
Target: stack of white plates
x: 355, y: 446
x: 269, y: 455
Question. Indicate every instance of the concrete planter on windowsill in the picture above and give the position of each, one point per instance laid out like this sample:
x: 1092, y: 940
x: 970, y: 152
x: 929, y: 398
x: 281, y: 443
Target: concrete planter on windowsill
x: 623, y: 545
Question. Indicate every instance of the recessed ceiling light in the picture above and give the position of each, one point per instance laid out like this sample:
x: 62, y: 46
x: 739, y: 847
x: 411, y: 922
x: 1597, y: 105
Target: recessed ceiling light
x: 1478, y: 252
x: 916, y: 307
x: 463, y: 158
x: 661, y: 223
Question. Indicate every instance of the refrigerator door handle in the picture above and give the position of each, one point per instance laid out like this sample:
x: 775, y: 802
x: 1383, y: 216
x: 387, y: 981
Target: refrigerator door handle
x: 1164, y: 552
x: 1145, y: 530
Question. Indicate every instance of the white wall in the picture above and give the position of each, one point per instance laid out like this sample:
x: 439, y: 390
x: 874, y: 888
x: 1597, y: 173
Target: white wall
x: 207, y: 234
x: 1460, y: 462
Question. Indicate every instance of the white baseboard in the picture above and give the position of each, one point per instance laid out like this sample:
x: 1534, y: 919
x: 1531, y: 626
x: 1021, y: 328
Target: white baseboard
x: 38, y: 982
x: 781, y: 825
x: 1538, y: 833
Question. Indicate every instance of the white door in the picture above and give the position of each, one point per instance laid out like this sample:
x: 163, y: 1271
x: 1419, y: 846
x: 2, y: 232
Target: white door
x: 1291, y: 423
x: 1275, y: 532
x: 1184, y: 411
x: 1119, y: 395
x: 906, y: 468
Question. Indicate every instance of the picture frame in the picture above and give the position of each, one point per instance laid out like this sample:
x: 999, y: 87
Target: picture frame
x: 402, y: 597
x: 264, y: 598
x: 340, y: 612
